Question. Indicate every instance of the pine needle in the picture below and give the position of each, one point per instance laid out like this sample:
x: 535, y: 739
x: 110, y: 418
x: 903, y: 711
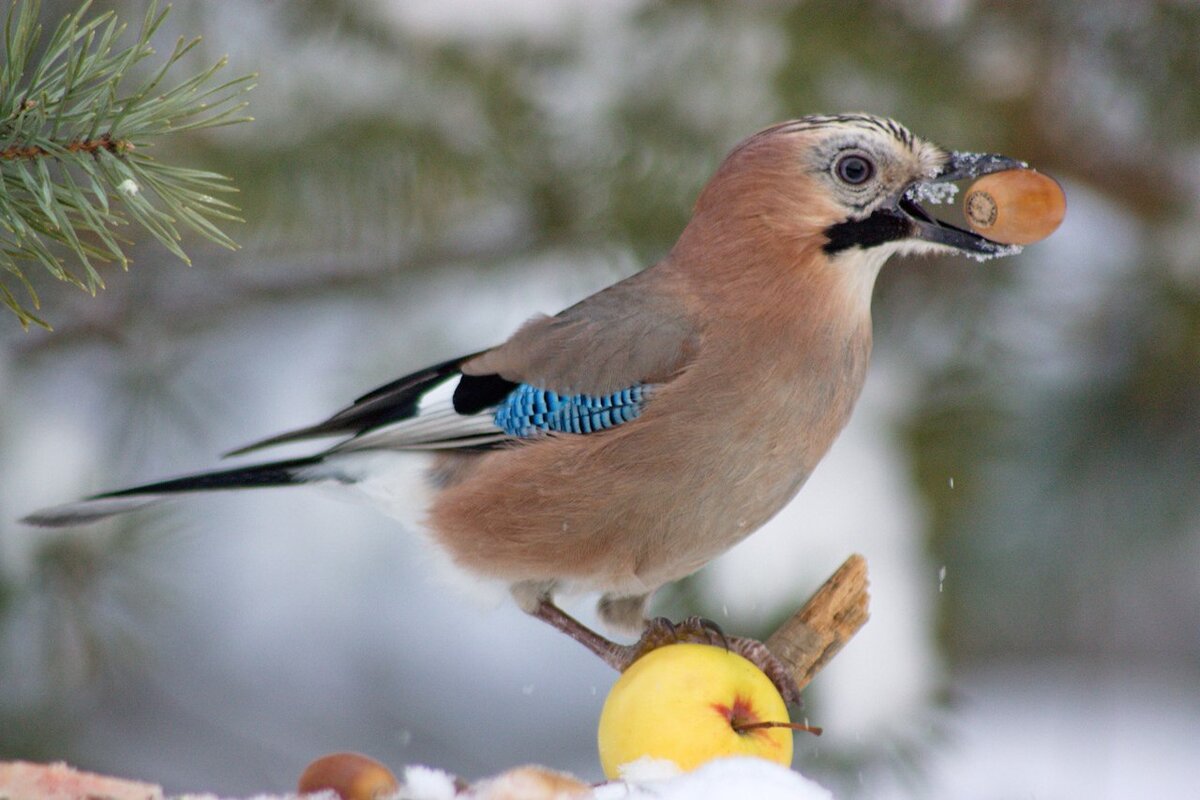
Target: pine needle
x: 73, y: 136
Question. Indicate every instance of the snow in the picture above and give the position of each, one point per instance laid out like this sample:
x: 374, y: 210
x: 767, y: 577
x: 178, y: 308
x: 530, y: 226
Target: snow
x: 647, y: 768
x: 723, y: 778
x: 995, y: 251
x: 935, y: 193
x: 424, y: 783
x: 972, y: 165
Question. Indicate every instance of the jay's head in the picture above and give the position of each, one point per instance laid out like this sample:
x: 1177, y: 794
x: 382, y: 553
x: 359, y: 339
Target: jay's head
x: 849, y: 185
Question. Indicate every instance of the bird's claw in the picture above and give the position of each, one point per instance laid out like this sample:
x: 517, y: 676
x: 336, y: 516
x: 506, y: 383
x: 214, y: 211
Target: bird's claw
x: 757, y: 653
x: 660, y: 632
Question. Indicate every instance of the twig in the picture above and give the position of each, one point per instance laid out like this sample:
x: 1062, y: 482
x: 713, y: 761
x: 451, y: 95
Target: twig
x: 90, y: 146
x: 814, y: 634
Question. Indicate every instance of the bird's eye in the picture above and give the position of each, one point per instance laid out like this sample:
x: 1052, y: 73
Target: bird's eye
x: 854, y: 169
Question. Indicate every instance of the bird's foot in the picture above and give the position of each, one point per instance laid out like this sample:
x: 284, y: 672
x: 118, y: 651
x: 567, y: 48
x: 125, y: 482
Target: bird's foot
x: 757, y: 654
x: 660, y: 632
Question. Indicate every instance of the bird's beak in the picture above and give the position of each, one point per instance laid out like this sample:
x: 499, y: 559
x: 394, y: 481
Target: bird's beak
x: 924, y: 226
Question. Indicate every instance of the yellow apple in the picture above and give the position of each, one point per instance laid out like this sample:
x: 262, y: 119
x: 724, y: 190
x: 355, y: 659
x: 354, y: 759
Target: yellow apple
x: 691, y: 703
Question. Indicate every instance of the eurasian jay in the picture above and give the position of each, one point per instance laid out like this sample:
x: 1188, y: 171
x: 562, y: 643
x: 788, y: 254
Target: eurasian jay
x: 628, y: 440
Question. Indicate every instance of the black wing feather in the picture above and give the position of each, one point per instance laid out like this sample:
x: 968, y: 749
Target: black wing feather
x: 276, y: 473
x: 389, y: 403
x: 474, y: 393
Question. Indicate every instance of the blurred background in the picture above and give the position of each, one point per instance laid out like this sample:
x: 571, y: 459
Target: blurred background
x: 1023, y: 472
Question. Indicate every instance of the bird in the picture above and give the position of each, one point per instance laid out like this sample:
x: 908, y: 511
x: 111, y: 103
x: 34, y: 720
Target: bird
x: 626, y: 441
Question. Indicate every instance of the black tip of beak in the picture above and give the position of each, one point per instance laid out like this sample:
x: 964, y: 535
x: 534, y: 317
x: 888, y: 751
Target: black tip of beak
x: 964, y: 166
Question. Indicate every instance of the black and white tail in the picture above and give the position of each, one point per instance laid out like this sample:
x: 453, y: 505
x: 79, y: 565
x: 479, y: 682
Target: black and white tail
x: 434, y: 409
x: 91, y: 509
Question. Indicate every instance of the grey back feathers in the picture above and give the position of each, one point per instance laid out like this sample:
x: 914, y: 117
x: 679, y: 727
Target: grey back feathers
x: 631, y: 332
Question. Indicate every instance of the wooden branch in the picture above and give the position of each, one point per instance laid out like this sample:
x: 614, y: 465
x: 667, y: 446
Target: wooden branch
x: 814, y: 634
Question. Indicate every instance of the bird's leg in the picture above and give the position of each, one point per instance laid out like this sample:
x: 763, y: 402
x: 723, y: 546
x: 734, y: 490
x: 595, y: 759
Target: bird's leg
x: 657, y: 633
x: 660, y: 632
x: 615, y: 655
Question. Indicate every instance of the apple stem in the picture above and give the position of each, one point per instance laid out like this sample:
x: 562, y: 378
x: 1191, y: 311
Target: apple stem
x: 796, y: 726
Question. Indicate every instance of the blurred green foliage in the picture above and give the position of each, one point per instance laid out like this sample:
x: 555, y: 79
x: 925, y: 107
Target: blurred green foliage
x: 73, y: 169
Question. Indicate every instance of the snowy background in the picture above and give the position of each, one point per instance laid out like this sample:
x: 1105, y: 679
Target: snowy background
x: 1022, y: 472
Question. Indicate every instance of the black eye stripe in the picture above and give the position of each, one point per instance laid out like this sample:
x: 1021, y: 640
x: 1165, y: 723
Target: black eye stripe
x: 880, y: 228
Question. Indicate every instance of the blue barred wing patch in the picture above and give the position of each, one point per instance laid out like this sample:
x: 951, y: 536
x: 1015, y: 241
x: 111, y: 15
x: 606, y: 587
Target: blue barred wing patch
x: 529, y: 411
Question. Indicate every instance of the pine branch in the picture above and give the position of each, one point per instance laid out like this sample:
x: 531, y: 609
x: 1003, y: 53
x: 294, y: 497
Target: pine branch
x: 73, y: 166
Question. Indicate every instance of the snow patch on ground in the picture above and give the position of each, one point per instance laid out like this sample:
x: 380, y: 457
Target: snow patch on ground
x: 720, y: 780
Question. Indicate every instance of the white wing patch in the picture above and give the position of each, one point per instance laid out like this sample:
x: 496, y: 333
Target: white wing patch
x: 435, y: 426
